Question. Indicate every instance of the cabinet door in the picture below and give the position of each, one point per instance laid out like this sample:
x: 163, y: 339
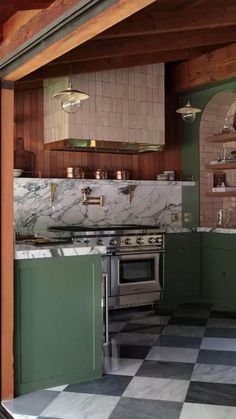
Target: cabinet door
x: 182, y: 268
x: 58, y: 330
x: 219, y: 276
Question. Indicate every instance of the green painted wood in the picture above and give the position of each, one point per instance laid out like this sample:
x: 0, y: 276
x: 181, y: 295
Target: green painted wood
x: 219, y: 241
x: 182, y: 268
x: 58, y: 330
x: 219, y: 277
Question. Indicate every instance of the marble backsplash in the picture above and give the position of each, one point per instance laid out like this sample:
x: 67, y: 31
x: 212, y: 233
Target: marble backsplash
x: 152, y: 203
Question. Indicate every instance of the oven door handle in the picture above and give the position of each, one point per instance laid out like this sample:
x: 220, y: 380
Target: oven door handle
x: 105, y: 277
x: 139, y: 252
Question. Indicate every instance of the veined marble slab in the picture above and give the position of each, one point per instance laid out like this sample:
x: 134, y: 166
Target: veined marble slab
x: 152, y: 203
x: 23, y: 251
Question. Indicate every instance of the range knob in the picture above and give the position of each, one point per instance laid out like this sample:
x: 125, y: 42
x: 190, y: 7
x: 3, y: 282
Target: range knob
x: 114, y: 242
x: 139, y: 240
x: 152, y: 240
x: 100, y: 242
x: 128, y: 241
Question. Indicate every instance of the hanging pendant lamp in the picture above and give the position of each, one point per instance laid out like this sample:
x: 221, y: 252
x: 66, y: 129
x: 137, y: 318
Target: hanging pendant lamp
x: 188, y: 112
x: 70, y: 99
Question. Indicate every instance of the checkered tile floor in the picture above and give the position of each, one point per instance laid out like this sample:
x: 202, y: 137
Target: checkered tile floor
x: 172, y: 364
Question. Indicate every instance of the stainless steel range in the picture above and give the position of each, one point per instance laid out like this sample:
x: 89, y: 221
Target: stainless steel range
x: 133, y: 265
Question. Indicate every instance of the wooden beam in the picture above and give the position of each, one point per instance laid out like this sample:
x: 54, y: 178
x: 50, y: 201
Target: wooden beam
x: 102, y: 64
x: 7, y: 256
x: 208, y: 68
x: 100, y: 21
x: 153, y: 21
x: 143, y: 44
x: 16, y: 21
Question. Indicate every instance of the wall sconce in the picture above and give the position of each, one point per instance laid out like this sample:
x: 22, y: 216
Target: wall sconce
x: 188, y: 113
x: 70, y: 99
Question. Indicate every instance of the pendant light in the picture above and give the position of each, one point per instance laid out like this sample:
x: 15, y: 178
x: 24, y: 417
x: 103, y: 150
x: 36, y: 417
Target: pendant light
x: 70, y: 99
x: 188, y: 112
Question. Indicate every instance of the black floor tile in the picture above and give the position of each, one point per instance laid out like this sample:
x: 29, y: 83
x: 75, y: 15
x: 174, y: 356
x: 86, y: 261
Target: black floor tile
x: 216, y: 357
x: 220, y: 332
x: 179, y: 341
x: 109, y: 385
x: 128, y: 408
x: 129, y: 351
x: 211, y: 393
x: 164, y: 311
x: 187, y: 321
x: 161, y: 369
x: 215, y: 314
x: 142, y: 328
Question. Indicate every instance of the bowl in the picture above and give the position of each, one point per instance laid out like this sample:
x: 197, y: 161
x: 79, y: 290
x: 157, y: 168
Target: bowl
x: 17, y: 172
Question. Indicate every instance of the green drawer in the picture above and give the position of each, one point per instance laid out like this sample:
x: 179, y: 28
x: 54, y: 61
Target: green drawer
x: 218, y: 240
x: 182, y: 240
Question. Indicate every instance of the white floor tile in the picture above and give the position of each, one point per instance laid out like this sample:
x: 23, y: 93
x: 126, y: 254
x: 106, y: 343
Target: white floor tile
x: 122, y: 366
x: 205, y: 411
x: 157, y: 389
x: 81, y: 406
x: 166, y: 353
x: 219, y: 344
x: 214, y: 373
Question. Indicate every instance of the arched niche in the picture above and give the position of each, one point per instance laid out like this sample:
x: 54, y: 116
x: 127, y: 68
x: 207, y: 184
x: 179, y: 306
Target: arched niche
x: 222, y: 105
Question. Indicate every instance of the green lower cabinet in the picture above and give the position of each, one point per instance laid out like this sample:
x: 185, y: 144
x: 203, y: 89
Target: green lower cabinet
x: 58, y: 321
x: 182, y: 268
x: 218, y: 271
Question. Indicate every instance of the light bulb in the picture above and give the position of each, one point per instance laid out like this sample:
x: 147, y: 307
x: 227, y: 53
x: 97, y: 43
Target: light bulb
x: 70, y: 103
x: 188, y: 116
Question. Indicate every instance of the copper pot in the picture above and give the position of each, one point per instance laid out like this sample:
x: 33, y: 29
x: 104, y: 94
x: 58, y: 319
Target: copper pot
x: 122, y: 174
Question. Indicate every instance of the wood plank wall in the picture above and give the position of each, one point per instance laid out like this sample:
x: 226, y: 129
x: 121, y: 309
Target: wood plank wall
x: 29, y: 125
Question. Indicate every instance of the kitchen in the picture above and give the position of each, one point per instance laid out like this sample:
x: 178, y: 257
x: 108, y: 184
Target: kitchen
x: 146, y: 166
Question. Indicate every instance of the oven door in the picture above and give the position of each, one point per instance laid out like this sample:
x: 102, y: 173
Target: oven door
x: 136, y: 273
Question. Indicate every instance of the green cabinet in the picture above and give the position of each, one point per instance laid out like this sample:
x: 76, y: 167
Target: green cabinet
x: 58, y: 321
x: 182, y: 267
x: 218, y: 269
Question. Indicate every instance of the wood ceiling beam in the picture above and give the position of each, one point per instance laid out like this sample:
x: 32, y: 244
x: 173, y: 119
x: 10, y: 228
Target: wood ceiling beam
x: 16, y: 21
x: 95, y: 49
x: 154, y: 21
x: 208, y: 68
x: 99, y: 17
x: 63, y: 69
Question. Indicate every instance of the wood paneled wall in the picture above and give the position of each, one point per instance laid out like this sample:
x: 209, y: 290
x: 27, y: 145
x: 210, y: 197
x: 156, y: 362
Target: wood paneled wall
x: 29, y: 125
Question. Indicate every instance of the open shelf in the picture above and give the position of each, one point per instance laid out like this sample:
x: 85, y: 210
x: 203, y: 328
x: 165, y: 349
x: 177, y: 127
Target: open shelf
x: 221, y: 194
x: 221, y: 166
x: 221, y: 138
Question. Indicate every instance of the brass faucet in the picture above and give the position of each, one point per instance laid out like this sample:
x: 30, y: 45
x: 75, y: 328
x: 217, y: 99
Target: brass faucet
x: 91, y: 200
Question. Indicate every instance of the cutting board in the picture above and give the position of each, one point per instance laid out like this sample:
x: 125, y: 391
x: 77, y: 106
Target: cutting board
x: 23, y: 159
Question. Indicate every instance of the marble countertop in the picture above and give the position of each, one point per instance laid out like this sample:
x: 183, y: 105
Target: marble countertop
x: 23, y: 251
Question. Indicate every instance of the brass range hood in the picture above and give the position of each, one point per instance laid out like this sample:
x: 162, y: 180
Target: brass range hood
x: 99, y: 146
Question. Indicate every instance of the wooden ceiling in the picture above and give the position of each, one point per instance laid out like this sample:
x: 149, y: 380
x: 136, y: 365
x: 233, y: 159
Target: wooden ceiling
x: 165, y: 31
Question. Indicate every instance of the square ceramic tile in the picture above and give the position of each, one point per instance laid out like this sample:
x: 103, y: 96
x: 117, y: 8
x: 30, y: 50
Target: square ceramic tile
x: 128, y: 351
x: 211, y: 393
x: 108, y: 385
x: 128, y: 408
x: 217, y: 357
x: 135, y: 339
x: 214, y: 373
x: 122, y: 366
x: 142, y: 328
x: 205, y: 411
x: 162, y: 353
x: 176, y: 330
x: 159, y: 369
x: 219, y: 344
x: 179, y: 341
x: 31, y: 403
x: 187, y: 321
x: 220, y: 332
x: 157, y: 389
x: 216, y: 314
x: 154, y: 320
x: 227, y: 323
x: 192, y: 313
x: 81, y: 406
